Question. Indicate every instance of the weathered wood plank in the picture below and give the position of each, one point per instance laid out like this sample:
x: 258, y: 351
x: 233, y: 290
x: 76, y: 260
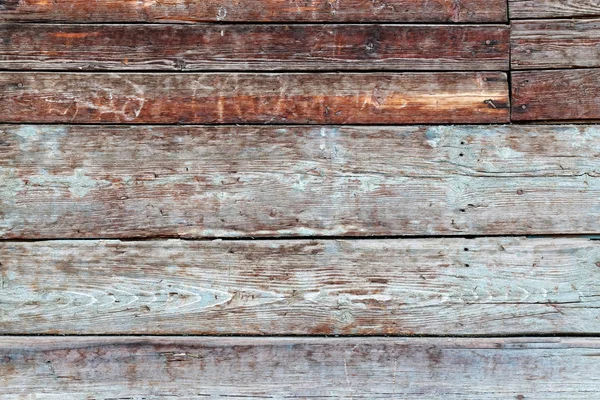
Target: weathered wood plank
x: 523, y: 9
x: 483, y: 286
x: 159, y: 367
x: 381, y: 98
x: 100, y: 181
x: 555, y: 44
x: 254, y: 11
x: 556, y: 95
x: 247, y: 47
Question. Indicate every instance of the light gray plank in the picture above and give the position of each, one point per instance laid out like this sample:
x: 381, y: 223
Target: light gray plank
x: 482, y: 286
x: 523, y: 9
x: 279, y: 368
x: 112, y: 182
x: 555, y: 44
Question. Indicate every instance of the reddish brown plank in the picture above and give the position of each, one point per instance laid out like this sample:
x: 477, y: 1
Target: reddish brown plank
x: 300, y: 368
x: 248, y: 47
x: 350, y: 98
x: 527, y: 9
x: 254, y: 10
x: 148, y: 181
x: 555, y: 44
x: 556, y: 95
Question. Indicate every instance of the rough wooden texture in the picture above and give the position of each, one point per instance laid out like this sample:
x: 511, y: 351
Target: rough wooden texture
x: 349, y: 98
x: 523, y: 9
x: 254, y: 10
x: 361, y: 287
x: 556, y: 95
x: 555, y: 44
x: 247, y: 47
x: 258, y: 368
x: 93, y: 181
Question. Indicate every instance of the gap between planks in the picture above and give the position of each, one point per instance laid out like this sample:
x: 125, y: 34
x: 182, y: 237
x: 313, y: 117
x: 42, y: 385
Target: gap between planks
x: 590, y: 236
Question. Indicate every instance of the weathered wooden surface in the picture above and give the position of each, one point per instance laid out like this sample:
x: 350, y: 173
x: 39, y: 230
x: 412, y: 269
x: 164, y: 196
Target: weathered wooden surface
x: 93, y: 181
x: 556, y: 95
x: 362, y: 287
x: 349, y: 98
x: 555, y: 44
x: 553, y: 8
x: 257, y: 368
x: 254, y: 10
x: 247, y: 47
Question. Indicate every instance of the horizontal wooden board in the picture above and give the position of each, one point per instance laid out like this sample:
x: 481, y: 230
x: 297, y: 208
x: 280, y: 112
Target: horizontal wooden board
x: 555, y: 44
x: 486, y: 286
x: 248, y: 47
x: 254, y: 10
x: 214, y: 181
x: 553, y: 8
x: 349, y: 98
x: 258, y: 368
x: 556, y: 95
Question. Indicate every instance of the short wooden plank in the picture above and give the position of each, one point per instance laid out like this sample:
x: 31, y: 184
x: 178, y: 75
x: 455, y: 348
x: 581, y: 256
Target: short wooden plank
x: 185, y: 11
x: 216, y: 181
x: 214, y: 98
x: 487, y: 286
x: 556, y: 95
x: 258, y: 368
x: 253, y: 47
x: 523, y: 9
x: 555, y: 44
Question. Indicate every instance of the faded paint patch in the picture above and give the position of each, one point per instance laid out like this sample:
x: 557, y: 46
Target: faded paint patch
x: 507, y: 153
x: 583, y: 137
x: 26, y: 132
x: 329, y: 144
x: 79, y: 184
x: 435, y: 135
x: 10, y: 185
x: 46, y: 137
x: 370, y: 183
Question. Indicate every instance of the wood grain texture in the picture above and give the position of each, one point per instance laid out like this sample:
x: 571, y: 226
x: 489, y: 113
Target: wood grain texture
x: 548, y: 44
x: 248, y: 47
x: 486, y: 286
x: 254, y: 10
x: 258, y: 368
x: 556, y: 95
x: 349, y: 98
x: 226, y: 181
x: 523, y: 9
